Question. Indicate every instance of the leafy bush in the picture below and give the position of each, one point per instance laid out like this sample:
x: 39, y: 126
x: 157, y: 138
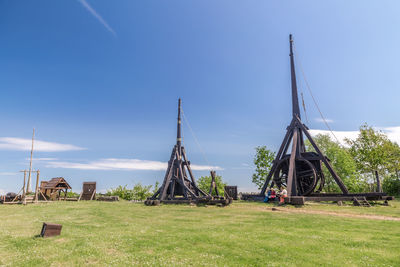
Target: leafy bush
x: 138, y: 192
x: 391, y: 185
x: 72, y: 195
x: 204, y: 184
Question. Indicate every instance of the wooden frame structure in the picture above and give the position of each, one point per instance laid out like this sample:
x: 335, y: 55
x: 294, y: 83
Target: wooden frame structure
x: 179, y: 185
x: 231, y: 191
x: 300, y: 171
x: 88, y: 191
x: 21, y: 197
x: 52, y: 189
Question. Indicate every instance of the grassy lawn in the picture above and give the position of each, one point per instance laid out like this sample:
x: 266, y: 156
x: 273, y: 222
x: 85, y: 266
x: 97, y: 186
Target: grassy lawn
x: 243, y: 234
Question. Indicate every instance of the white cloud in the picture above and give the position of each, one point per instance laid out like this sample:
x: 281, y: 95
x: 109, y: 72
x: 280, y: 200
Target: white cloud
x: 321, y: 120
x: 97, y: 16
x: 43, y: 159
x: 341, y: 135
x: 14, y: 143
x: 393, y: 133
x: 205, y: 167
x: 121, y: 164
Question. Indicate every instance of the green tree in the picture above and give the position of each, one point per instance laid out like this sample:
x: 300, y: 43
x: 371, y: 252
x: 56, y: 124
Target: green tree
x: 368, y: 151
x: 392, y: 150
x: 156, y: 187
x: 341, y: 161
x: 263, y: 162
x: 138, y: 192
x: 391, y: 180
x: 141, y: 192
x: 121, y: 191
x: 204, y: 184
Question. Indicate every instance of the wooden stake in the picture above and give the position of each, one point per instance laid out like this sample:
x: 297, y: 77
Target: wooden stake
x: 37, y: 186
x: 30, y: 164
x: 24, y: 189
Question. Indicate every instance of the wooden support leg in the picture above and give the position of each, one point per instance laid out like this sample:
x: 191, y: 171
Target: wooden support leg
x: 282, y: 151
x: 291, y: 184
x: 325, y: 161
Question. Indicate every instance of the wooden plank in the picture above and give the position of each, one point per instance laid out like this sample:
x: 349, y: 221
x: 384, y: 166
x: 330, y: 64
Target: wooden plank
x: 291, y: 184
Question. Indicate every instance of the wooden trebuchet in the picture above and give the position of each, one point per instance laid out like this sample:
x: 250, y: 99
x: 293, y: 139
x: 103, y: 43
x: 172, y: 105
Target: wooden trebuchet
x: 179, y: 185
x: 300, y: 171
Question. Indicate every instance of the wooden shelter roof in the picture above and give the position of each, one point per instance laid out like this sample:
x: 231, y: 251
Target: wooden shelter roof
x: 58, y: 182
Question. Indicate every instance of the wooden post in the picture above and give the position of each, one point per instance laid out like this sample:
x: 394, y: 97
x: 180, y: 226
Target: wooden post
x: 37, y: 186
x: 378, y: 182
x: 24, y: 189
x: 291, y: 183
x: 30, y: 164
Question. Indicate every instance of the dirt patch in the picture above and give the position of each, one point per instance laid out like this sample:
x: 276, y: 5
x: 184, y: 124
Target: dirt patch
x: 331, y: 213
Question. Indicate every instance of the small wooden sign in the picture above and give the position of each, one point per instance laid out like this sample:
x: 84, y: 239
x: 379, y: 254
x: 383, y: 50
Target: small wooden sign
x: 50, y: 229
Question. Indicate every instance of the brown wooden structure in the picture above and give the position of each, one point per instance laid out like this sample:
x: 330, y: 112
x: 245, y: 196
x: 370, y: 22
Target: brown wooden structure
x: 50, y: 229
x: 108, y: 198
x: 300, y: 171
x: 179, y: 185
x: 88, y: 191
x: 231, y: 191
x: 52, y: 189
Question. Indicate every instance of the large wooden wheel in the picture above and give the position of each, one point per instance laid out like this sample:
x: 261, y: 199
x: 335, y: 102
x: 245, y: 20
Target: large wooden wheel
x: 306, y: 175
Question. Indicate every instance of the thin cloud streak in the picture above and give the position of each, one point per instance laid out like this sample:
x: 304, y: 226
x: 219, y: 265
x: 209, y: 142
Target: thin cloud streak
x: 22, y: 144
x: 97, y: 16
x: 321, y: 120
x: 8, y: 173
x: 121, y: 164
x: 43, y: 159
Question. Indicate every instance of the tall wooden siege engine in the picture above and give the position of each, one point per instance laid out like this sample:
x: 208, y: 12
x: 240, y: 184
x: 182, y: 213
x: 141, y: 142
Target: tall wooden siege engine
x: 178, y: 186
x: 300, y: 171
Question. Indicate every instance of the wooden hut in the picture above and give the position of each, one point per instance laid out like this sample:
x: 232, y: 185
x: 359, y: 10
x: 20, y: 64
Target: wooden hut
x: 52, y: 189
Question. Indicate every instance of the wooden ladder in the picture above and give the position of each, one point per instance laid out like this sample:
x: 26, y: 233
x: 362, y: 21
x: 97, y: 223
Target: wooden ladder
x: 361, y: 201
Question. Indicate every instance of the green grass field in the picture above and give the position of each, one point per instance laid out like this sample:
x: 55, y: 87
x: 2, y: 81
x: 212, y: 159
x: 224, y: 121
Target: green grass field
x: 243, y: 234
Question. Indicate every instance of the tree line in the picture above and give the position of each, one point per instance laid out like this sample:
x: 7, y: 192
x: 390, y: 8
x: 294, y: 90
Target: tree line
x: 141, y: 192
x: 371, y: 162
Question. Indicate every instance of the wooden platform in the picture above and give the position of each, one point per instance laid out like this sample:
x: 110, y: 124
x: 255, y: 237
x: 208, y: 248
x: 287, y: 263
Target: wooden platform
x: 300, y: 200
x: 198, y: 201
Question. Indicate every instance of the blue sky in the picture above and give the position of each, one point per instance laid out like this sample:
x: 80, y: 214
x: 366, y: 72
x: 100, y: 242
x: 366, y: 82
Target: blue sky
x: 100, y: 80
